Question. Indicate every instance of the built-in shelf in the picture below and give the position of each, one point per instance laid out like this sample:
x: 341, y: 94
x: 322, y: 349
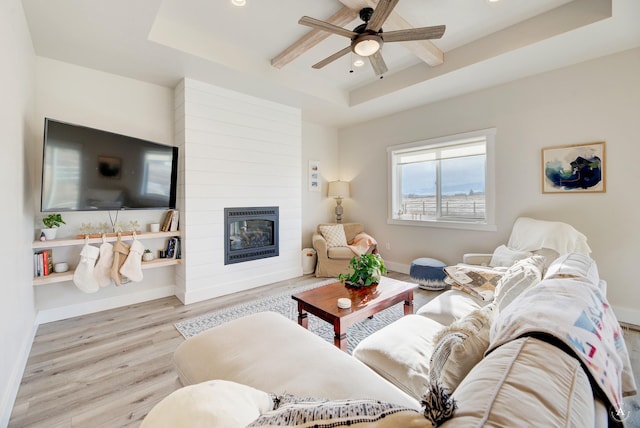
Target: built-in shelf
x: 109, y: 238
x: 68, y: 276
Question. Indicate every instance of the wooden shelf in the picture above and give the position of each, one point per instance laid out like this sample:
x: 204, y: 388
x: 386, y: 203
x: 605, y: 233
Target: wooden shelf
x: 68, y: 276
x: 109, y: 238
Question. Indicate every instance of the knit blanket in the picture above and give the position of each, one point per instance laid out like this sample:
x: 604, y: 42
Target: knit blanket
x: 575, y: 312
x: 364, y: 243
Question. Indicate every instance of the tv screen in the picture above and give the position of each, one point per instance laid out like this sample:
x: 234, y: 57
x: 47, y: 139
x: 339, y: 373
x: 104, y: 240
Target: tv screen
x: 85, y: 169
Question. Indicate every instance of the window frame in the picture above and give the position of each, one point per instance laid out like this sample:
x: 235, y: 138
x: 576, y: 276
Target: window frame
x: 450, y: 140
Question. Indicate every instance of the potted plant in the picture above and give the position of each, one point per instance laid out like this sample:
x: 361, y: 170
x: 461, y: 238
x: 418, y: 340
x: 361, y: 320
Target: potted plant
x: 367, y: 270
x: 51, y: 222
x: 148, y: 255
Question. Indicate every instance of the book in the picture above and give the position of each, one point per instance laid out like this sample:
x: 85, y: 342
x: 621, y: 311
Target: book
x: 43, y: 262
x: 171, y: 248
x: 174, y: 221
x: 478, y: 281
x: 166, y: 223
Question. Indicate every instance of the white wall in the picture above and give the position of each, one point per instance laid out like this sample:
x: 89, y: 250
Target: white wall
x: 104, y: 101
x: 17, y: 105
x: 320, y: 143
x: 239, y: 151
x: 594, y: 101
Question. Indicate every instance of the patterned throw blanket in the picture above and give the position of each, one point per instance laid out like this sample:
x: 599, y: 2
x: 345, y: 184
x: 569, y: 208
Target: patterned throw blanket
x: 575, y: 312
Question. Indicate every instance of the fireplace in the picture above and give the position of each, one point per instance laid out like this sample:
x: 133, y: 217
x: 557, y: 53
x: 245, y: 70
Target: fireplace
x: 250, y: 234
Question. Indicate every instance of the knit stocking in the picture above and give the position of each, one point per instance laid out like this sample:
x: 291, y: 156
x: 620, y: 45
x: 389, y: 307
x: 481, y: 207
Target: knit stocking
x: 120, y: 252
x: 83, y: 276
x: 132, y: 267
x: 102, y: 272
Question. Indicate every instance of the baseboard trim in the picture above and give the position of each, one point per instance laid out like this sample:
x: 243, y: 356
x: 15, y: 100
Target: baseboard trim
x: 56, y: 314
x: 235, y: 286
x: 11, y: 391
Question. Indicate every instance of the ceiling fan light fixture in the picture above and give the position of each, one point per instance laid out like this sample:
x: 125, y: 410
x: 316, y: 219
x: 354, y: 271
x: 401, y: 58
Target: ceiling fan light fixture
x: 367, y: 44
x: 239, y: 3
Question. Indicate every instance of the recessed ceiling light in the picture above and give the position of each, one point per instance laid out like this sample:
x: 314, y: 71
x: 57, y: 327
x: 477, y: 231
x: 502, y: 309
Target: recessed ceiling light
x: 239, y: 3
x: 358, y: 63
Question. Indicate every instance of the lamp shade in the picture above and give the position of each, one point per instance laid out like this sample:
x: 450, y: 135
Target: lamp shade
x: 338, y: 189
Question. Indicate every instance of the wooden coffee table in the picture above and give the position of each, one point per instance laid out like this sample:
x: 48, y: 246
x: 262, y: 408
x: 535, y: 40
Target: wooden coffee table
x: 365, y: 302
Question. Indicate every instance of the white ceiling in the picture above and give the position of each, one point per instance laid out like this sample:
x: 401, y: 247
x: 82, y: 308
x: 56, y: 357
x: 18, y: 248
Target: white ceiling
x: 162, y: 41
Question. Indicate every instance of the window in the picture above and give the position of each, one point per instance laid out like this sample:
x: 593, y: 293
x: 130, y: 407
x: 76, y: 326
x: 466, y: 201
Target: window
x: 443, y: 182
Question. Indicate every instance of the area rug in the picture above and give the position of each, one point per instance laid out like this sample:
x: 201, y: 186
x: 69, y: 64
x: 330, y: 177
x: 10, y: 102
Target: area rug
x: 285, y: 305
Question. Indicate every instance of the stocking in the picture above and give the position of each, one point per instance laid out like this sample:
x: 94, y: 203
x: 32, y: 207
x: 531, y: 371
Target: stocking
x: 132, y: 267
x: 120, y: 251
x: 102, y: 272
x: 83, y: 276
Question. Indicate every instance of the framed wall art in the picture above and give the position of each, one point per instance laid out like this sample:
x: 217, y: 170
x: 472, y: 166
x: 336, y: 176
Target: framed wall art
x: 576, y: 168
x: 314, y: 176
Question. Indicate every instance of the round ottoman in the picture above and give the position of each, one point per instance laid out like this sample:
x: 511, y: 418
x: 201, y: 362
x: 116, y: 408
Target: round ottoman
x: 428, y: 273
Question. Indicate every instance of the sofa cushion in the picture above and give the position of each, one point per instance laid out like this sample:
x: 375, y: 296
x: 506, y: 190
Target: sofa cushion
x: 504, y: 256
x: 574, y: 265
x: 215, y: 403
x: 459, y: 347
x: 341, y: 253
x: 526, y: 382
x: 400, y: 352
x: 334, y: 235
x: 523, y: 275
x: 450, y: 306
x: 279, y: 361
x: 293, y: 411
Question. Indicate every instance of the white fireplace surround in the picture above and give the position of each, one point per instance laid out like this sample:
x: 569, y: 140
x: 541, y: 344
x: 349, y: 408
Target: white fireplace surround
x: 235, y: 150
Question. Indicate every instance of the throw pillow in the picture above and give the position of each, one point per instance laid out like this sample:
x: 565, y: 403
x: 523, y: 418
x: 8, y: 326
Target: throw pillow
x: 300, y: 412
x: 504, y: 256
x: 459, y: 347
x: 523, y: 275
x: 215, y: 403
x: 478, y: 281
x: 334, y: 235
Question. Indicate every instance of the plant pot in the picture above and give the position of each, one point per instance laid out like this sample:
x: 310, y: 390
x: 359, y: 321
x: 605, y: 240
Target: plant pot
x: 50, y: 233
x: 147, y: 257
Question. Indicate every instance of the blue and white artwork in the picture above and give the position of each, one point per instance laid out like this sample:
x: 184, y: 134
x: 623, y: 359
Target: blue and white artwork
x: 577, y: 168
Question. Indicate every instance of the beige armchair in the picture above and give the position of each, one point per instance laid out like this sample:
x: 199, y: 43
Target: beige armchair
x: 333, y: 261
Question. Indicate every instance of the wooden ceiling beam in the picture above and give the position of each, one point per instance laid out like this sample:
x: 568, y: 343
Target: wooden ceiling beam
x: 341, y: 18
x: 423, y: 49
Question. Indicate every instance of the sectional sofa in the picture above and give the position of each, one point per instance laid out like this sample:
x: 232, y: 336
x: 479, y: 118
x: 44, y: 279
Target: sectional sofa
x: 458, y: 361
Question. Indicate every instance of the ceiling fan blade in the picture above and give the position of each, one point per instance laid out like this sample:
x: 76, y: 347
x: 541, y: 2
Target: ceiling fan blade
x: 380, y: 14
x: 422, y: 33
x: 332, y: 58
x: 378, y: 64
x: 322, y: 25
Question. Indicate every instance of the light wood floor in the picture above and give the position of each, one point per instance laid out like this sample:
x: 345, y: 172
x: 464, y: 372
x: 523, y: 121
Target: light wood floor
x: 110, y: 368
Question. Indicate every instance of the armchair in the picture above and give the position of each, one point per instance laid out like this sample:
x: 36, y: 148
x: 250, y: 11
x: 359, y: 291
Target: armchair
x: 334, y: 260
x: 551, y: 239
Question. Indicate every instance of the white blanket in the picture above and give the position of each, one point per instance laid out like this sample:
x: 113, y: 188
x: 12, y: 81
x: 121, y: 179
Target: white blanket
x: 576, y: 312
x: 530, y: 235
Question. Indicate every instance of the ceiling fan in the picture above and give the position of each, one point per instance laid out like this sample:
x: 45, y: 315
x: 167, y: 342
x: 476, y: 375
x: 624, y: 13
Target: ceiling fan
x: 367, y: 39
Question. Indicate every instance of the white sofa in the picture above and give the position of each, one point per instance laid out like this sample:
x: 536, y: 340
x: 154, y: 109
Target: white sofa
x: 526, y: 381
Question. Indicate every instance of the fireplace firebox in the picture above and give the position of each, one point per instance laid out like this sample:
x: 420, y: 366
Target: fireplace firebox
x: 250, y: 233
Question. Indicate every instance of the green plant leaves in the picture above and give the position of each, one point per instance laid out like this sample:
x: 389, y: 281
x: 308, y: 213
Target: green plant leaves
x: 53, y: 220
x: 366, y: 268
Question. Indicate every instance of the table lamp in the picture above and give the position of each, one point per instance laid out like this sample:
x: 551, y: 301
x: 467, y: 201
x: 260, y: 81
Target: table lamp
x: 338, y: 190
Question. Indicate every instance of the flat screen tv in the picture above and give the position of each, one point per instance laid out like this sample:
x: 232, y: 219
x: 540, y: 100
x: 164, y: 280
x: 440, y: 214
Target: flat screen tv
x: 86, y: 169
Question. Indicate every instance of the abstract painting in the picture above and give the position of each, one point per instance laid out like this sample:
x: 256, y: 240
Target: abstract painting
x: 573, y: 169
